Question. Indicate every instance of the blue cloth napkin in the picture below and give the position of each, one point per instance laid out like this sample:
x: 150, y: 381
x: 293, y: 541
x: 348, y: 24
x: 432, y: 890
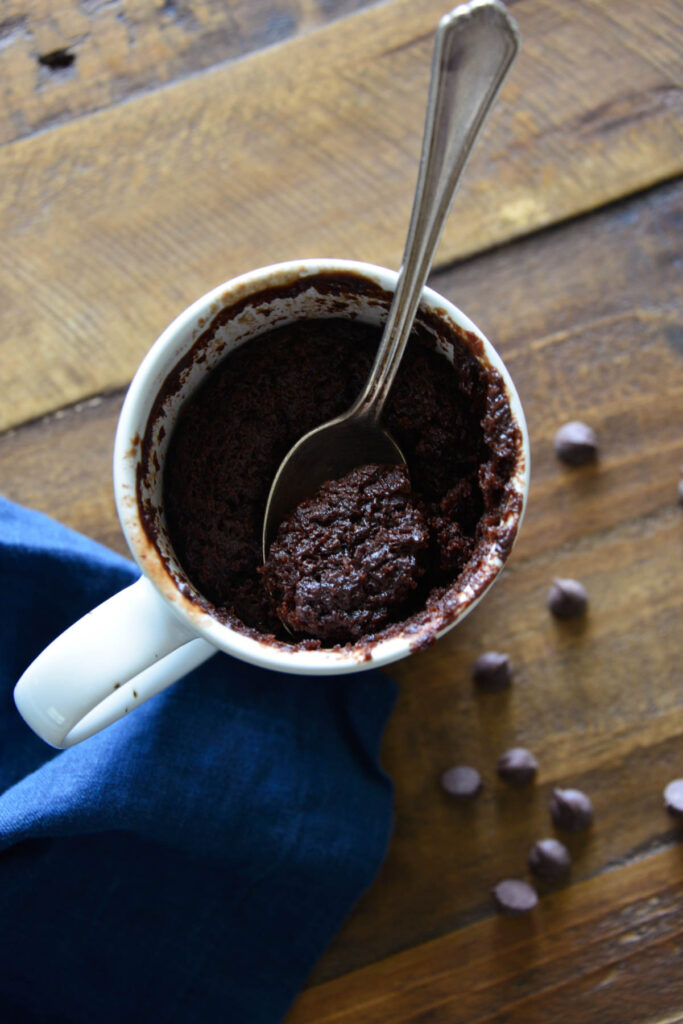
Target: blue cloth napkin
x: 191, y: 862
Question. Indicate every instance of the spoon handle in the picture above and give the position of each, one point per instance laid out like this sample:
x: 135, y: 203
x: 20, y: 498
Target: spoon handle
x: 474, y: 48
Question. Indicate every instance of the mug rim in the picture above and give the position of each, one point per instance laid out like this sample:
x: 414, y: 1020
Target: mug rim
x: 133, y: 419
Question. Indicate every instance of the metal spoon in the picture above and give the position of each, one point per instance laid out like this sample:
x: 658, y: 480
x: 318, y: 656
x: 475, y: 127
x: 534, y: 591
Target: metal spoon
x: 474, y: 48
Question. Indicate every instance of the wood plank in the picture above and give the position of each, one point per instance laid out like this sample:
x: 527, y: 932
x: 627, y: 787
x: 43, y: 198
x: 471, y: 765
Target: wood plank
x: 588, y: 321
x: 601, y: 710
x: 587, y: 317
x: 602, y: 707
x: 113, y: 51
x: 113, y: 222
x: 608, y: 950
x: 62, y: 465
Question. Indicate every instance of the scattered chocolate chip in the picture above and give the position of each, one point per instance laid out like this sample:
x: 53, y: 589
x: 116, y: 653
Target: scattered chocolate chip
x: 571, y: 809
x: 576, y: 443
x: 567, y: 599
x: 513, y: 896
x: 491, y: 671
x: 673, y: 798
x: 517, y: 766
x: 461, y: 781
x: 550, y: 859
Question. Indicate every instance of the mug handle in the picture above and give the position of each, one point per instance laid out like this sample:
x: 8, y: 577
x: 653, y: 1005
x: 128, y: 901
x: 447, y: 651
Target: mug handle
x: 120, y: 654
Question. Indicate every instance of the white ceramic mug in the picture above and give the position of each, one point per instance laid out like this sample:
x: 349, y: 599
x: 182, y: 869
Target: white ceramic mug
x: 157, y: 630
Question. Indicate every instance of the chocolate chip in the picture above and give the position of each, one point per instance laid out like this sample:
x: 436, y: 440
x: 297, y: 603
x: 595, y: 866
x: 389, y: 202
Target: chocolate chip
x: 517, y: 766
x: 550, y: 859
x: 491, y: 671
x: 567, y: 599
x: 576, y: 443
x: 571, y: 809
x: 513, y: 896
x: 680, y: 492
x: 673, y: 798
x: 461, y: 781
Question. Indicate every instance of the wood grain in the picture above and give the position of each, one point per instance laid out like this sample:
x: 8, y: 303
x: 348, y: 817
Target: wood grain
x: 587, y: 317
x: 113, y: 222
x: 115, y: 49
x: 609, y: 951
x: 62, y: 465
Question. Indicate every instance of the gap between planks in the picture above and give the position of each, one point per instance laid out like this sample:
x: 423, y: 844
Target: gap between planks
x: 611, y: 910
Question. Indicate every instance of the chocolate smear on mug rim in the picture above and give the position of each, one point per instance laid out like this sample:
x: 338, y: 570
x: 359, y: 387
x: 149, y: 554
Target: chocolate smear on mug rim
x: 433, y: 331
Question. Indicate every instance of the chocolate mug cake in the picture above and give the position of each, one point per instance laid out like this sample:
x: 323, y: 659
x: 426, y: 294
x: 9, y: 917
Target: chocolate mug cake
x: 373, y: 567
x: 372, y: 553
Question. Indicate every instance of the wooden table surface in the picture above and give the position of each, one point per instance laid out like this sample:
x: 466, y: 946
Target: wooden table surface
x: 149, y: 151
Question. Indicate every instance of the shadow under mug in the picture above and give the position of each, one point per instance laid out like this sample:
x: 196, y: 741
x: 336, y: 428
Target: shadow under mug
x: 157, y: 630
